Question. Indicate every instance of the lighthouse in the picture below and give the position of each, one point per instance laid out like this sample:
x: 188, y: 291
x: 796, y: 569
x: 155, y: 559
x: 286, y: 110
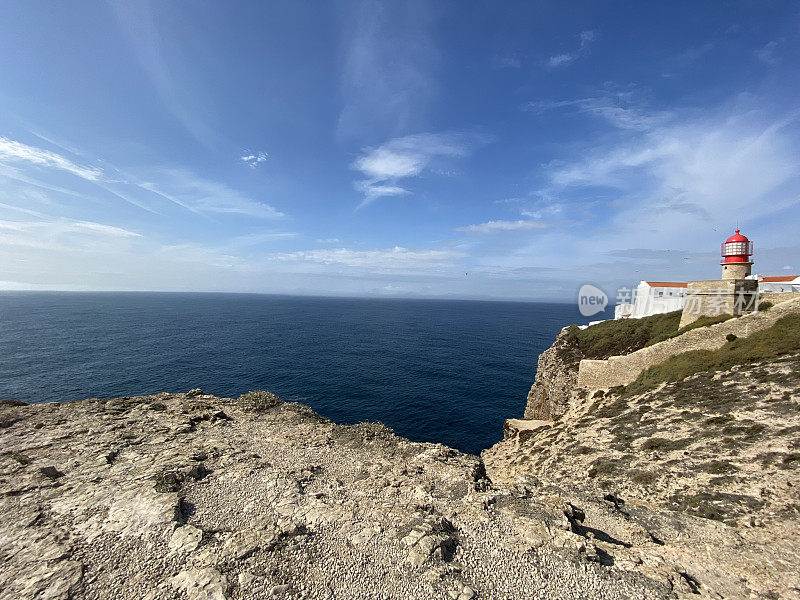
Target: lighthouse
x: 737, y: 252
x: 735, y: 294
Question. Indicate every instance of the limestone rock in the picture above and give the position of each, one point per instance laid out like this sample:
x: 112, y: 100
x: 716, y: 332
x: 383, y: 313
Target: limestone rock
x: 202, y: 584
x: 185, y: 539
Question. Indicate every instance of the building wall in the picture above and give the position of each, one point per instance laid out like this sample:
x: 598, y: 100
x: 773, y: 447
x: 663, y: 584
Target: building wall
x: 719, y: 297
x: 648, y: 302
x: 622, y: 370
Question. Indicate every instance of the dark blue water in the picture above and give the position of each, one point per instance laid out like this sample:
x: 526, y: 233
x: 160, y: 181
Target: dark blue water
x: 442, y: 371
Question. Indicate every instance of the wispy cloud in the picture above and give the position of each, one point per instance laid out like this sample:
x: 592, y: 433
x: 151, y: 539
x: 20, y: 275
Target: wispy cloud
x: 585, y: 38
x: 617, y: 108
x: 510, y: 61
x: 178, y: 186
x: 501, y: 226
x: 388, y: 75
x: 253, y: 160
x: 766, y: 54
x: 401, y: 158
x: 381, y: 259
x: 685, y: 173
x: 138, y: 23
x: 12, y: 151
x: 205, y: 196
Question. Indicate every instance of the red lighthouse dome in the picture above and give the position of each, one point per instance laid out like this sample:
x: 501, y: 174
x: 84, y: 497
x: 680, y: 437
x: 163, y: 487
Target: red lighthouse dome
x: 736, y: 249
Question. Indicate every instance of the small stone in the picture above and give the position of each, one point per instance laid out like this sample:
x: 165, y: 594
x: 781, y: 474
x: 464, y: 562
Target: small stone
x: 467, y: 593
x: 277, y: 590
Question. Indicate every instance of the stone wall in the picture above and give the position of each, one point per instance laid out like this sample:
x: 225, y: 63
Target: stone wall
x: 777, y: 297
x: 622, y: 370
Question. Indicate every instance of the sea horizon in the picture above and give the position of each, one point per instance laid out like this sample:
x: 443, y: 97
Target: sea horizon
x: 432, y: 369
x: 520, y: 300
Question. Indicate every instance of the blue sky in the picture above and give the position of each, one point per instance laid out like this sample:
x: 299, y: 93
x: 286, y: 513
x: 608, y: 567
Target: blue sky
x: 448, y: 149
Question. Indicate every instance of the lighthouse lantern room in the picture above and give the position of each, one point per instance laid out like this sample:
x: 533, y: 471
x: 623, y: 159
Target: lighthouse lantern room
x: 737, y: 251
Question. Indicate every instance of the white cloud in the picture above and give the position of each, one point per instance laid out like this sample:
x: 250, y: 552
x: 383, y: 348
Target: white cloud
x: 498, y: 226
x: 256, y: 239
x: 62, y: 234
x: 382, y: 259
x: 329, y: 241
x: 12, y: 151
x: 585, y: 38
x: 253, y: 160
x: 406, y: 157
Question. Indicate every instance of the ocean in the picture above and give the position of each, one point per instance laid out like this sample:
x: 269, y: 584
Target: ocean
x: 447, y: 371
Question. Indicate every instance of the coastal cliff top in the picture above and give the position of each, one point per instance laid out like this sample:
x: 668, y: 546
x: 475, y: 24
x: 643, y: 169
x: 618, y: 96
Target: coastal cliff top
x: 189, y: 495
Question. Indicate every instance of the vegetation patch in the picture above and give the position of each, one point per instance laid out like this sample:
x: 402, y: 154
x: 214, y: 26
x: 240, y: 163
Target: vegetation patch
x: 720, y: 419
x: 780, y: 339
x: 604, y: 467
x: 258, y: 401
x: 618, y: 336
x: 664, y: 444
x: 717, y: 506
x: 718, y: 467
x: 791, y: 459
x: 613, y: 409
x: 643, y: 477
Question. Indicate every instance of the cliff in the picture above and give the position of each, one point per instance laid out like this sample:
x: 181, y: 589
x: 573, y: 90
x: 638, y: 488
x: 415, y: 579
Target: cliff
x: 556, y: 380
x: 191, y: 496
x: 701, y: 472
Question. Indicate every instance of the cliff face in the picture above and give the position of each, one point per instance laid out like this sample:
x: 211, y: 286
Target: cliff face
x: 556, y: 381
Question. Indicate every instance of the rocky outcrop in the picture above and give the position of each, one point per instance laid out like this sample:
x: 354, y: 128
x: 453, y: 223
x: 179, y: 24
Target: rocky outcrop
x: 181, y: 496
x: 556, y: 381
x: 701, y: 474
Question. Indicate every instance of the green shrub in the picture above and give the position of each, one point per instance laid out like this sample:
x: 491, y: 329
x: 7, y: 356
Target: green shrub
x: 780, y: 339
x: 766, y: 305
x: 731, y: 337
x: 618, y: 336
x: 258, y: 401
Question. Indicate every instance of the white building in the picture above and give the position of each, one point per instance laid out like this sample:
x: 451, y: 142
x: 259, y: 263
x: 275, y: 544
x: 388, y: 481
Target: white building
x: 782, y: 283
x: 651, y: 298
x: 657, y: 297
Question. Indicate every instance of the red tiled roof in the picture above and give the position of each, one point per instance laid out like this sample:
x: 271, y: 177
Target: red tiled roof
x: 779, y: 278
x: 667, y: 284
